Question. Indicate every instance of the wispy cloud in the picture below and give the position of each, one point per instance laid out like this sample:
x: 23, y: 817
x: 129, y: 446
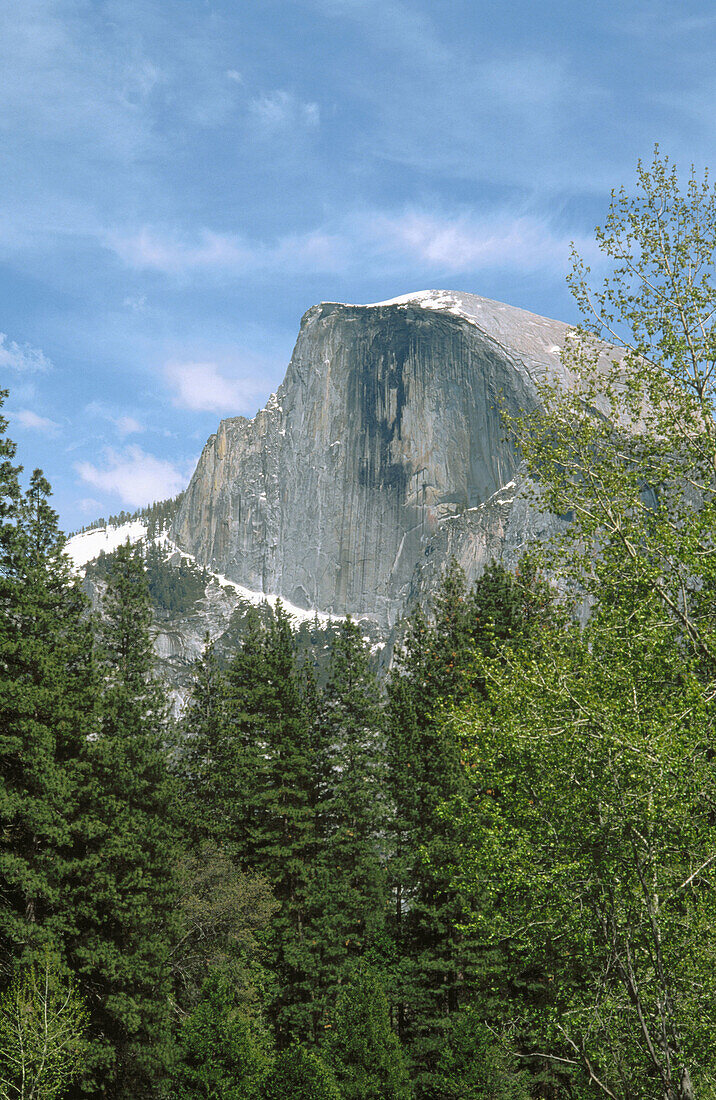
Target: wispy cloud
x: 29, y: 419
x: 89, y: 506
x: 658, y: 20
x: 473, y: 103
x: 21, y: 357
x: 393, y: 242
x: 133, y: 475
x: 465, y: 243
x: 136, y: 302
x: 282, y: 110
x: 153, y: 250
x: 201, y: 387
x: 125, y: 425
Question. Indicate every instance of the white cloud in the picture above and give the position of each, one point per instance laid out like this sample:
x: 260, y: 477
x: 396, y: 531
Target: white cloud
x: 281, y: 110
x: 35, y: 423
x: 135, y: 476
x: 89, y: 506
x: 125, y: 425
x: 464, y: 243
x: 137, y: 302
x: 389, y: 242
x: 150, y: 249
x: 235, y: 76
x: 201, y: 387
x: 22, y: 357
x: 316, y: 250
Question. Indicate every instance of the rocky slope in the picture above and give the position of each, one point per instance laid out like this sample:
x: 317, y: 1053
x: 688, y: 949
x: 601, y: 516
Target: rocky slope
x: 380, y: 456
x: 216, y: 611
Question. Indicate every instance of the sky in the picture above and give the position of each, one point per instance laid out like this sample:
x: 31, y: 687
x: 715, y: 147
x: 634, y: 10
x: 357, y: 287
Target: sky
x: 180, y: 180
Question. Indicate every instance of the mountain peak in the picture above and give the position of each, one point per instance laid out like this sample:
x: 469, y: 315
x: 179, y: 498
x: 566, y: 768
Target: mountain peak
x: 536, y: 340
x: 386, y: 427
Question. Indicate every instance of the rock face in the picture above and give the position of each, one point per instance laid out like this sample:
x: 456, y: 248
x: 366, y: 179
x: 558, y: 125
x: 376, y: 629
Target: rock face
x: 377, y: 455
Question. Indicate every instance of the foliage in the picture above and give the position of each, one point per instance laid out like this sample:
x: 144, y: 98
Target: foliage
x: 125, y: 895
x: 628, y: 451
x: 302, y: 1075
x: 159, y: 516
x: 348, y: 894
x: 42, y: 1022
x: 614, y: 724
x: 222, y: 1055
x: 362, y: 1046
x: 436, y: 960
x: 173, y: 587
x: 424, y: 770
x: 47, y: 711
x: 592, y: 836
x: 284, y: 841
x: 478, y: 1064
x: 224, y: 730
x: 518, y: 836
x: 223, y: 913
x: 250, y: 772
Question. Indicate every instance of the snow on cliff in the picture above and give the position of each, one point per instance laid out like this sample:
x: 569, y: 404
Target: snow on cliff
x: 88, y: 545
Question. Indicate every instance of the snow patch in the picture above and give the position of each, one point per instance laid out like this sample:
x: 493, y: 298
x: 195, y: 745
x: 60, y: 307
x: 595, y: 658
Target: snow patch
x: 88, y: 545
x: 428, y: 299
x: 300, y: 614
x: 480, y: 312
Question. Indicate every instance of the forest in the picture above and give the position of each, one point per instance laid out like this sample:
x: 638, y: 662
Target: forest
x: 488, y: 875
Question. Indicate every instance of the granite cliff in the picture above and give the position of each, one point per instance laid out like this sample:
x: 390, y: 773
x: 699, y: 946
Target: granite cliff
x: 380, y: 454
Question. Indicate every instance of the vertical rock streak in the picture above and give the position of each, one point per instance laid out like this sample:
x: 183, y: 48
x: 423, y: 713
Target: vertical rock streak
x: 386, y: 426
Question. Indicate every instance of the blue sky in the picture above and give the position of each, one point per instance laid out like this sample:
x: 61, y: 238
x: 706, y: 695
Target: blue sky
x: 182, y: 179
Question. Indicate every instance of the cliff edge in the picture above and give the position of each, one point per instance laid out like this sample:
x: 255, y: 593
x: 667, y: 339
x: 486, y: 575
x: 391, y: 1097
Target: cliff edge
x: 379, y: 453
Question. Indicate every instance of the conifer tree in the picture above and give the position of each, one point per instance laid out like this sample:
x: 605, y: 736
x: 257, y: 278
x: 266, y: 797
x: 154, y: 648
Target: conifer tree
x: 222, y: 1054
x: 199, y: 747
x: 478, y: 1063
x: 240, y: 757
x: 435, y: 666
x: 362, y: 1046
x: 349, y: 898
x: 302, y: 1075
x: 510, y: 608
x: 284, y: 845
x: 125, y: 895
x: 439, y: 666
x: 46, y: 713
x: 222, y: 759
x: 252, y: 769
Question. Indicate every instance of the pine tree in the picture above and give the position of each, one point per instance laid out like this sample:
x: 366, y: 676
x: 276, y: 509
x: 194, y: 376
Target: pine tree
x: 435, y: 666
x: 125, y: 895
x: 200, y: 743
x: 252, y: 769
x: 507, y: 608
x: 222, y: 1054
x: 362, y: 1046
x: 222, y: 757
x: 241, y: 756
x: 478, y: 1063
x: 46, y: 713
x: 349, y: 895
x: 285, y: 841
x: 439, y: 667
